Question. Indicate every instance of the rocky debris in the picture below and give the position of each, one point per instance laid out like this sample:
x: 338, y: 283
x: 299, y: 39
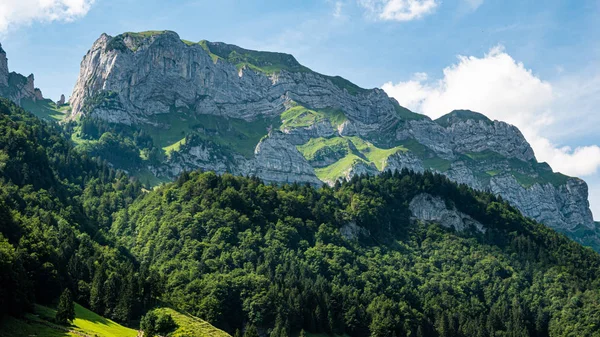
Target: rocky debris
x: 61, y: 101
x: 427, y: 208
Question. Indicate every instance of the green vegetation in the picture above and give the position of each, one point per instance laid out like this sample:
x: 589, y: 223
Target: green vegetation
x: 374, y: 154
x: 320, y: 149
x: 86, y: 322
x: 243, y: 255
x: 188, y: 325
x: 238, y: 254
x: 66, y: 310
x: 344, y: 84
x: 340, y: 168
x: 447, y: 119
x: 261, y: 61
x: 406, y: 114
x: 527, y: 174
x: 299, y: 116
x: 175, y: 146
x: 46, y: 109
x: 30, y: 326
x: 56, y: 207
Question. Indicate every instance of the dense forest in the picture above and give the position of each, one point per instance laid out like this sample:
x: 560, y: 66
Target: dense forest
x: 275, y: 260
x: 242, y: 254
x: 56, y: 207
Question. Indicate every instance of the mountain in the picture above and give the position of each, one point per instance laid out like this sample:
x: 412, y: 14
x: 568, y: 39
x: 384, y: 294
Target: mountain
x: 22, y: 91
x: 16, y: 86
x: 213, y: 106
x: 398, y: 254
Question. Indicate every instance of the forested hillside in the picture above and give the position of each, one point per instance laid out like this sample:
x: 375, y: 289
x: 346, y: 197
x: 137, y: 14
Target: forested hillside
x: 248, y: 257
x: 349, y: 259
x: 55, y: 208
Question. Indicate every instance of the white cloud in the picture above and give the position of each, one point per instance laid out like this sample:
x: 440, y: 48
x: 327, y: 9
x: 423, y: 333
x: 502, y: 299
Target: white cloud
x: 21, y: 12
x: 398, y: 10
x: 337, y: 9
x: 473, y: 4
x: 502, y: 89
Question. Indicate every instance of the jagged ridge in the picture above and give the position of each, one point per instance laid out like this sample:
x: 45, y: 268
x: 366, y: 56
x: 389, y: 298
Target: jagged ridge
x: 156, y: 83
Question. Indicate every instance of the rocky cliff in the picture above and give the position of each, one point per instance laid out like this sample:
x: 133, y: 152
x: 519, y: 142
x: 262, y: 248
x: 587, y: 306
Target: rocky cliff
x: 219, y: 107
x: 15, y: 86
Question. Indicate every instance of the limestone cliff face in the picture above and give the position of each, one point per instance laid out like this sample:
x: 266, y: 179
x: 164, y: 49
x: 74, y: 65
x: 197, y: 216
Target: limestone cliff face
x: 3, y: 68
x: 427, y: 208
x: 137, y: 79
x: 15, y: 86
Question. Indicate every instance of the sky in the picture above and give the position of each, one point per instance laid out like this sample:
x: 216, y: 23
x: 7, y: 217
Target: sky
x: 534, y: 64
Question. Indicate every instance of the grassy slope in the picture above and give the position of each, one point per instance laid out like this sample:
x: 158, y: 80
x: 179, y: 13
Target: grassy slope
x: 46, y: 109
x: 88, y: 323
x: 40, y: 324
x: 237, y: 134
x: 189, y: 325
x: 300, y: 116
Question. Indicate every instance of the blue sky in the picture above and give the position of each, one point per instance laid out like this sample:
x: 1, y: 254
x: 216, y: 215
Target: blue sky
x: 532, y: 63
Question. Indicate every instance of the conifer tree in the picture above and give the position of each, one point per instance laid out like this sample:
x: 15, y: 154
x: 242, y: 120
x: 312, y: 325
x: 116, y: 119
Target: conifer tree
x: 66, y: 310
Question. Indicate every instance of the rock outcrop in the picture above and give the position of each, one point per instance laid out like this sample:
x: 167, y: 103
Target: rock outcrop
x: 14, y: 86
x: 139, y: 78
x: 427, y: 208
x: 61, y: 100
x: 3, y: 68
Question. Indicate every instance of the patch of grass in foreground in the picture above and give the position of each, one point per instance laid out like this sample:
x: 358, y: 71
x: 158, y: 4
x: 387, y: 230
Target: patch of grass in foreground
x: 14, y: 327
x: 89, y: 323
x: 188, y: 325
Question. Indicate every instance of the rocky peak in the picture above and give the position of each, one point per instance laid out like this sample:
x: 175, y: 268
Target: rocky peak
x: 61, y: 100
x: 471, y: 131
x: 322, y: 128
x: 457, y: 116
x: 15, y: 86
x: 3, y: 68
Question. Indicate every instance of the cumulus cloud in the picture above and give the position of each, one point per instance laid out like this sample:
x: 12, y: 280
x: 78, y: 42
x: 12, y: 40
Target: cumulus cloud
x: 399, y: 10
x: 19, y: 12
x: 502, y: 89
x: 337, y: 9
x: 473, y: 4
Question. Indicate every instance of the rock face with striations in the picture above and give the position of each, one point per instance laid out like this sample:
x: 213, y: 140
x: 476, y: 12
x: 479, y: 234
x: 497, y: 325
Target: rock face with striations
x: 14, y: 86
x: 264, y: 114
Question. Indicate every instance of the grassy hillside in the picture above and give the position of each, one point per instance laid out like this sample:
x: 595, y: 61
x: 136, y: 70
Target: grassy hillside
x: 190, y: 326
x: 40, y: 323
x: 46, y: 109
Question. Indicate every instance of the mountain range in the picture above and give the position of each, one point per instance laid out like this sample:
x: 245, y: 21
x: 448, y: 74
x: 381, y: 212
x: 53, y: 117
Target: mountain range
x: 213, y: 106
x: 196, y: 189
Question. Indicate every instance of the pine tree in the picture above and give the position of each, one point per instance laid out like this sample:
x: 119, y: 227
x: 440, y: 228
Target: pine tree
x: 66, y: 309
x: 251, y: 331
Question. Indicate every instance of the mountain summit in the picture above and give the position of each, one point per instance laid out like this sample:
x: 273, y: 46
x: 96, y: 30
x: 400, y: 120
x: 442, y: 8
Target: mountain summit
x: 214, y: 106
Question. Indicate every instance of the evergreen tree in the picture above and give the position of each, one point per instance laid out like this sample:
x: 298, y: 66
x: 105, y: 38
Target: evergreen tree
x: 66, y: 309
x: 251, y: 331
